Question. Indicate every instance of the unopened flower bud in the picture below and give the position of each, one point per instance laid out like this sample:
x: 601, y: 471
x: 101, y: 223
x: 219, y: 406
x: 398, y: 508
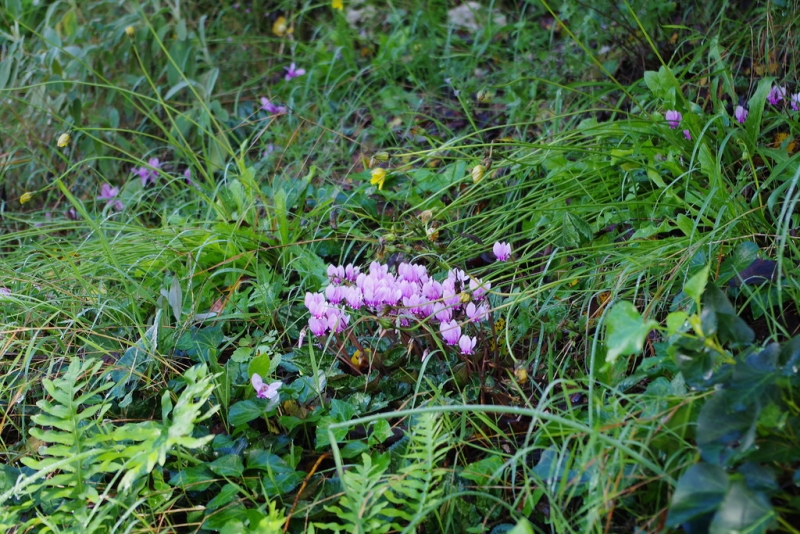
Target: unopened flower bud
x: 129, y: 31
x: 25, y: 197
x: 380, y: 157
x: 478, y: 172
x: 63, y: 140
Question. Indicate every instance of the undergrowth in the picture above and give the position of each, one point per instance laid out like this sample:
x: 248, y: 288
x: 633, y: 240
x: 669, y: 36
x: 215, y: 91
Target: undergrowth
x: 404, y: 267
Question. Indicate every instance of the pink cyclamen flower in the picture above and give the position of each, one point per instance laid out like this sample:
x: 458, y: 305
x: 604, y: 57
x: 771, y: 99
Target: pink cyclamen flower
x: 673, y: 118
x: 293, y: 72
x: 318, y: 326
x: 264, y: 391
x: 776, y: 95
x: 477, y: 314
x: 451, y: 331
x: 795, y: 101
x: 687, y: 134
x: 502, y: 251
x: 466, y: 344
x: 109, y: 194
x: 740, y: 114
x: 271, y: 108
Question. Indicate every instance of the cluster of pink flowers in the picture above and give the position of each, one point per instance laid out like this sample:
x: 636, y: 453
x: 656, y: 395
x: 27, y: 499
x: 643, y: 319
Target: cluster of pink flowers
x: 777, y: 96
x: 409, y: 295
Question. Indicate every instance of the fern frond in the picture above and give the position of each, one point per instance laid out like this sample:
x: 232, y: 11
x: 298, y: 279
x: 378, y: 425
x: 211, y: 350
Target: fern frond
x: 362, y: 507
x: 418, y: 490
x: 72, y: 419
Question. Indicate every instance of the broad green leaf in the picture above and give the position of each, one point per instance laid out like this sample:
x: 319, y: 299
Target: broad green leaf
x: 743, y: 510
x: 696, y: 285
x: 626, y: 331
x: 575, y: 232
x: 229, y: 465
x: 675, y: 321
x: 245, y: 411
x: 700, y: 491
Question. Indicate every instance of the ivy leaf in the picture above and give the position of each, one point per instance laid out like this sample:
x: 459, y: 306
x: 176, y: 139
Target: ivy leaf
x: 626, y: 331
x: 743, y: 510
x: 699, y: 492
x: 241, y: 354
x: 229, y: 466
x: 575, y: 232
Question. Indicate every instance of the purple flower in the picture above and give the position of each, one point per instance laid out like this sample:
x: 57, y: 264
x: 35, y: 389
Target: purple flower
x: 687, y: 134
x: 776, y: 95
x: 466, y: 344
x: 479, y: 288
x: 109, y: 194
x: 293, y: 72
x: 795, y: 101
x: 317, y: 326
x: 4, y: 291
x: 740, y: 113
x: 502, y: 251
x: 476, y: 314
x: 451, y: 331
x: 316, y: 304
x: 271, y: 108
x: 187, y: 176
x: 264, y: 391
x: 673, y: 118
x: 72, y: 214
x: 148, y: 176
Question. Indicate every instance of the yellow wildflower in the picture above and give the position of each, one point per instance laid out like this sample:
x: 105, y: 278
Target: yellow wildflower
x: 129, y: 31
x: 280, y: 27
x: 63, y: 140
x: 378, y: 177
x: 25, y: 197
x: 337, y: 4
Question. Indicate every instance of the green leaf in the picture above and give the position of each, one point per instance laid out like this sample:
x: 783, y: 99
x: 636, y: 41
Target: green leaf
x: 675, y: 321
x: 241, y: 354
x: 696, y: 285
x: 226, y: 494
x: 626, y: 331
x: 575, y: 232
x: 740, y: 259
x: 245, y: 411
x: 730, y: 327
x: 197, y: 478
x: 743, y: 510
x: 261, y: 366
x: 699, y: 491
x: 229, y: 466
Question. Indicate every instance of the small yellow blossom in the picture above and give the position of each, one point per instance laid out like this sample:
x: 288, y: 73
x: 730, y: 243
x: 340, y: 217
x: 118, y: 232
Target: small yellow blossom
x: 129, y: 31
x: 25, y: 197
x: 378, y: 177
x: 280, y: 27
x: 521, y: 374
x: 63, y: 140
x: 337, y: 4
